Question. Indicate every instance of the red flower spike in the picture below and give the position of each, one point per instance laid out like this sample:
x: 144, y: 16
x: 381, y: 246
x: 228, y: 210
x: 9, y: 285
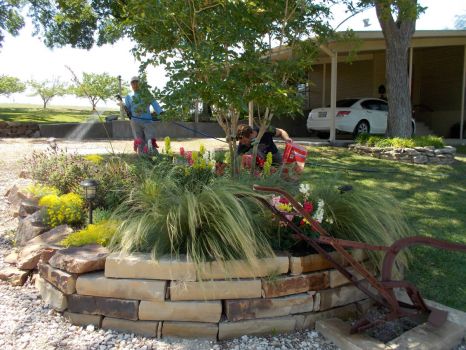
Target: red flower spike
x: 308, y: 207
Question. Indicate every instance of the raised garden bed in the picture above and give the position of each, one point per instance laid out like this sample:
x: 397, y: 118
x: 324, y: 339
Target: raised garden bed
x: 416, y: 155
x: 169, y: 297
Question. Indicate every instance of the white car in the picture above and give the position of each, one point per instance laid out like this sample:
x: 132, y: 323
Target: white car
x: 353, y: 115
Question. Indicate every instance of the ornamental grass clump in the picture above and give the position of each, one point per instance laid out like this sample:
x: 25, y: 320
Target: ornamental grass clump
x: 211, y: 223
x: 365, y: 216
x: 64, y: 209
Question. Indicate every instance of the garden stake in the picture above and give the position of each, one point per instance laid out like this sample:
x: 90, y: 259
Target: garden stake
x: 381, y: 291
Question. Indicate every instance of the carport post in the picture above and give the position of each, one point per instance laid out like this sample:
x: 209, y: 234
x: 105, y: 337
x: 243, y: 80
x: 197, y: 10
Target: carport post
x: 333, y: 90
x: 462, y: 94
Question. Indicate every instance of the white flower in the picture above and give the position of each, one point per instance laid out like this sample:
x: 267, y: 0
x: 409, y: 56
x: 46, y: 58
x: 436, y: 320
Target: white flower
x: 206, y: 157
x: 305, y: 189
x: 319, y: 213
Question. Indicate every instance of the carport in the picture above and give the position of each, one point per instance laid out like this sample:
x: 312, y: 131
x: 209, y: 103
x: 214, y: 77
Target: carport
x: 352, y: 69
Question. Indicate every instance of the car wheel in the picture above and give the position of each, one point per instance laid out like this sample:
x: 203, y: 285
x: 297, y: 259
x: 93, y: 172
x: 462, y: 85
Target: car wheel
x: 361, y: 128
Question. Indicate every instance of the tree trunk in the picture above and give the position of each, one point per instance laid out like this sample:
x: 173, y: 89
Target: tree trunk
x: 397, y: 39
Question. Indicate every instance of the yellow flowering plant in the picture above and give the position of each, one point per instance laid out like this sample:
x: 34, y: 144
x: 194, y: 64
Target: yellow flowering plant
x: 38, y: 190
x: 99, y: 233
x: 94, y: 158
x: 64, y: 209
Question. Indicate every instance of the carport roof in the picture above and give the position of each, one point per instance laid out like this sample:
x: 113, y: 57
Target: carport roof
x: 374, y: 40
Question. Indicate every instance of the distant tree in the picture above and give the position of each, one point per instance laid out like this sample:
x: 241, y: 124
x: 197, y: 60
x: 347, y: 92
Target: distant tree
x: 11, y: 20
x: 460, y: 22
x: 47, y: 89
x: 10, y: 85
x: 95, y: 87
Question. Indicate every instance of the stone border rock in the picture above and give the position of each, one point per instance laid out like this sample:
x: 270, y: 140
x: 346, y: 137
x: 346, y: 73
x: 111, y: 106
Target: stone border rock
x: 416, y: 155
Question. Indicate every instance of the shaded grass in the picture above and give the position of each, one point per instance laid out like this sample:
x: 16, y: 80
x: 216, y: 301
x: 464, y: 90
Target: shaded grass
x: 431, y: 196
x: 37, y: 114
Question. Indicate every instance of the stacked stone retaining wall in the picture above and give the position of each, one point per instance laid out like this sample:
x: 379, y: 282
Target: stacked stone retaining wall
x: 416, y: 155
x: 170, y: 297
x: 13, y: 129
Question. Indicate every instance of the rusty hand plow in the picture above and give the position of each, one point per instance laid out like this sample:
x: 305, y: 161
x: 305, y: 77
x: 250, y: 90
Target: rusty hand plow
x: 381, y: 291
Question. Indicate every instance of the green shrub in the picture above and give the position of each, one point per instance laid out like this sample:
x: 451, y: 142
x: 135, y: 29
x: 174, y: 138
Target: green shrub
x: 38, y: 190
x: 116, y: 178
x: 162, y: 217
x: 64, y: 209
x: 59, y: 169
x: 100, y: 214
x: 429, y: 140
x: 397, y: 142
x: 99, y: 233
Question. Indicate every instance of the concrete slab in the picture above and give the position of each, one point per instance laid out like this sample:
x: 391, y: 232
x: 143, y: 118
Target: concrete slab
x: 422, y: 337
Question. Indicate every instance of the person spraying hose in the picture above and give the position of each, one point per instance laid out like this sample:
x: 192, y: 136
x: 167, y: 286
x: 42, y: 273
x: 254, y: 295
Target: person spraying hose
x: 137, y: 108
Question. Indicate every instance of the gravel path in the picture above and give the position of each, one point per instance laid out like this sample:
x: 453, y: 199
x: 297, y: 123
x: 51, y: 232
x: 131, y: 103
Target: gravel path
x: 26, y: 323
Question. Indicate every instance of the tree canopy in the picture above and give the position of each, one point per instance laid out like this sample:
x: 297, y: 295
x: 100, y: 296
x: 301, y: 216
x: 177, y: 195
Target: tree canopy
x: 11, y: 20
x: 95, y: 87
x: 47, y: 89
x: 10, y: 85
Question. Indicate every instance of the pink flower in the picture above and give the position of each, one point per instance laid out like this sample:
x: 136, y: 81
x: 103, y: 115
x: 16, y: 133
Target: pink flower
x: 145, y: 149
x: 154, y: 143
x: 182, y: 151
x: 283, y: 200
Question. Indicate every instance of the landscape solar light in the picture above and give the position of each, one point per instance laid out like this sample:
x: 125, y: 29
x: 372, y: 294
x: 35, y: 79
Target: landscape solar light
x: 90, y: 189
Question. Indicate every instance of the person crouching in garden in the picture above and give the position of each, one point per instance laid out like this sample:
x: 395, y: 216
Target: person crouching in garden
x: 138, y: 104
x: 246, y: 136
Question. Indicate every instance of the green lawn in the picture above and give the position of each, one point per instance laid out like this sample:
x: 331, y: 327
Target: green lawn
x: 36, y: 114
x: 434, y: 200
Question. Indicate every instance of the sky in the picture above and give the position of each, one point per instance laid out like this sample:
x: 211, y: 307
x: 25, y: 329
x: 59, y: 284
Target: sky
x: 26, y: 57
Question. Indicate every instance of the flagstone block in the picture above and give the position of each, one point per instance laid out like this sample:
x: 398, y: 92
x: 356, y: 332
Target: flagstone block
x: 80, y: 259
x: 13, y: 275
x: 190, y: 330
x: 330, y: 298
x: 51, y: 295
x: 316, y: 262
x: 200, y: 311
x: 96, y: 284
x: 337, y: 279
x: 63, y: 281
x: 83, y: 320
x: 144, y: 328
x: 242, y: 269
x: 215, y: 290
x: 140, y: 265
x: 245, y: 309
x: 287, y: 285
x: 228, y: 330
x: 84, y: 304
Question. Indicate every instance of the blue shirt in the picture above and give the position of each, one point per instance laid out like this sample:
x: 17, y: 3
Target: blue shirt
x: 138, y: 111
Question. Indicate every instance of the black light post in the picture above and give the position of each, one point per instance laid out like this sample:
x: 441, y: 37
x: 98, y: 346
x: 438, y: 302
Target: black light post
x: 90, y: 187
